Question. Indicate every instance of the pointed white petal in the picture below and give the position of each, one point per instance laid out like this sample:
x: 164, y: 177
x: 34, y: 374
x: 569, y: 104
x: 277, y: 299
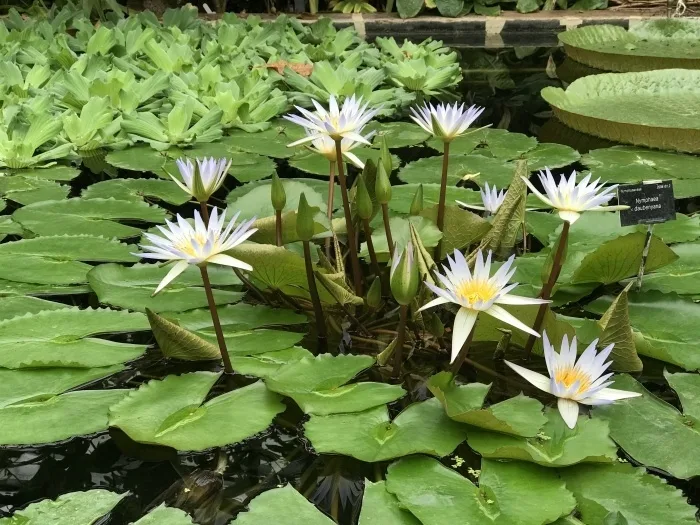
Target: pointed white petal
x: 464, y: 323
x: 613, y: 394
x: 505, y: 316
x: 540, y: 381
x: 518, y: 300
x: 227, y: 260
x: 176, y: 270
x: 569, y: 411
x: 435, y: 302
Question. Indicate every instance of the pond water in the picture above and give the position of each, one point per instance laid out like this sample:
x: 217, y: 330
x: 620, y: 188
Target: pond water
x: 215, y: 485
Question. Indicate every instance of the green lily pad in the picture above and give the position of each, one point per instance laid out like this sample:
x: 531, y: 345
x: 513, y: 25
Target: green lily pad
x: 380, y: 507
x: 42, y: 270
x: 266, y: 364
x: 520, y: 415
x: 401, y: 234
x: 56, y: 172
x: 253, y: 342
x: 640, y: 497
x: 271, y: 142
x: 74, y: 508
x: 257, y: 201
x: 88, y: 216
x: 170, y: 412
x: 17, y: 386
x: 132, y: 287
x: 461, y: 228
x: 241, y: 316
x: 632, y: 108
x: 666, y: 322
x: 138, y: 158
x: 137, y: 189
x: 24, y: 190
x: 399, y: 134
x: 508, y: 493
x: 681, y: 276
x: 87, y: 248
x: 422, y: 428
x: 630, y: 164
x: 543, y: 225
x: 282, y: 505
x: 478, y: 167
x: 163, y: 515
x: 639, y: 424
x: 56, y: 418
x: 402, y: 196
x: 498, y: 143
x: 13, y: 306
x: 555, y: 446
x: 8, y: 226
x: 61, y: 338
x: 548, y: 155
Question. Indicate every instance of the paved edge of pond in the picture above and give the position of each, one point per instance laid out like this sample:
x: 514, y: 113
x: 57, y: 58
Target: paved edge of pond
x: 506, y: 30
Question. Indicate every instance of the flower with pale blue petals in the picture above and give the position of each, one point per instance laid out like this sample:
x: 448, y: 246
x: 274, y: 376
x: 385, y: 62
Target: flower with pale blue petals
x: 445, y: 121
x: 491, y: 198
x: 204, y: 179
x: 573, y: 382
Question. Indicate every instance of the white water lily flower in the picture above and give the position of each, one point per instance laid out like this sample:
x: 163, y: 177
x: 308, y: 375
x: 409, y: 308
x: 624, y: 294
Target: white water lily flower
x: 571, y: 199
x: 325, y: 146
x: 574, y: 382
x: 198, y: 245
x: 203, y: 181
x: 491, y: 198
x: 335, y: 123
x: 445, y: 121
x: 476, y: 292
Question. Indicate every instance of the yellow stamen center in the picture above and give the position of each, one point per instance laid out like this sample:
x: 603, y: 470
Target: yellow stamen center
x: 188, y: 245
x: 570, y: 375
x: 475, y: 291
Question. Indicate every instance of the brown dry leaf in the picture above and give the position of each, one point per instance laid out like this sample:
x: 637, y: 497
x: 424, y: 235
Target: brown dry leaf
x: 304, y: 70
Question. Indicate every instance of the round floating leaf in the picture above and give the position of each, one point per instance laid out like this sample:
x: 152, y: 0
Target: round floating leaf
x: 401, y: 234
x: 57, y: 173
x: 310, y: 162
x: 508, y: 493
x: 132, y: 287
x: 16, y: 289
x: 324, y: 372
x: 265, y: 365
x: 241, y: 316
x: 13, y: 306
x: 682, y: 276
x: 423, y: 428
x: 640, y: 497
x: 170, y: 412
x: 42, y: 270
x: 18, y: 386
x: 498, y: 143
x: 72, y: 248
x: 520, y: 415
x: 633, y: 108
x: 402, y: 196
x: 57, y: 418
x: 477, y: 167
x: 163, y: 515
x: 551, y: 156
x: 246, y: 167
x: 399, y: 134
x: 88, y: 216
x: 74, y: 508
x: 24, y: 190
x: 253, y: 342
x: 682, y: 229
x: 349, y: 398
x: 639, y: 424
x: 138, y: 189
x: 138, y: 158
x: 271, y: 143
x: 555, y: 446
x: 282, y: 505
x: 380, y: 507
x: 460, y: 229
x: 256, y: 202
x: 61, y: 338
x: 630, y: 164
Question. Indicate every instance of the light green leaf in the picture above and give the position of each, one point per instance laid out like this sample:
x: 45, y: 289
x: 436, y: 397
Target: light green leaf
x: 266, y: 364
x: 399, y: 134
x: 380, y: 507
x: 461, y: 228
x: 401, y: 234
x: 71, y: 248
x: 179, y: 343
x: 26, y: 190
x: 74, y: 508
x: 163, y: 515
x: 240, y: 316
x: 13, y: 306
x: 616, y: 328
x: 282, y: 505
x: 630, y: 164
x: 137, y: 189
x: 42, y: 270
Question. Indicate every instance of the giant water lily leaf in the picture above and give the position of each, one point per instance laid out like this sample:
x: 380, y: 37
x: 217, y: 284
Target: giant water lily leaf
x: 640, y: 497
x: 316, y: 384
x: 137, y: 189
x: 241, y: 316
x: 170, y: 412
x: 512, y: 493
x: 520, y: 415
x: 163, y: 515
x: 555, y: 446
x: 379, y: 506
x: 47, y: 420
x: 632, y: 108
x: 681, y: 276
x: 639, y: 424
x: 422, y: 428
x: 13, y: 306
x: 23, y: 385
x: 74, y: 508
x: 132, y: 287
x: 282, y: 505
x: 87, y: 216
x: 630, y: 164
x: 61, y: 338
x: 666, y: 322
x: 620, y: 258
x: 86, y: 248
x: 24, y: 190
x: 653, y: 44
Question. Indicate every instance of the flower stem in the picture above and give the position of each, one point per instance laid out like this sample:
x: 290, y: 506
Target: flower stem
x: 547, y: 287
x: 315, y: 300
x: 398, y: 351
x: 278, y: 227
x: 205, y: 212
x: 443, y: 195
x: 352, y: 248
x: 215, y: 320
x: 331, y: 196
x: 387, y: 229
x: 372, y: 253
x: 462, y: 356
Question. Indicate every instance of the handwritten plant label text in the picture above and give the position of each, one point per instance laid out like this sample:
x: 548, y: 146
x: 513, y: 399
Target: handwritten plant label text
x: 649, y: 202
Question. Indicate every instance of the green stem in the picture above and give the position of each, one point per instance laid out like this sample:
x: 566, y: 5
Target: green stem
x: 548, y: 286
x: 372, y: 253
x: 331, y: 196
x: 398, y: 351
x: 443, y: 195
x: 387, y: 229
x: 215, y: 320
x: 278, y: 227
x: 315, y: 300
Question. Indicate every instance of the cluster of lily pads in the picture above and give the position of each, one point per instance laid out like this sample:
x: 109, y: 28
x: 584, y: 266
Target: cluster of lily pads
x: 358, y: 261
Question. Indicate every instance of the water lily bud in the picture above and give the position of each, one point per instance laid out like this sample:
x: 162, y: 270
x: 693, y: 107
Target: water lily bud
x: 277, y: 194
x: 305, y: 219
x: 363, y: 201
x: 374, y: 294
x: 382, y: 186
x: 404, y: 276
x: 417, y: 203
x: 385, y: 156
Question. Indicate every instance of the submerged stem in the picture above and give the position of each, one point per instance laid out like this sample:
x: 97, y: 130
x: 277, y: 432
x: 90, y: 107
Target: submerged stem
x: 352, y: 248
x: 315, y: 300
x: 398, y: 351
x: 443, y: 195
x: 215, y: 320
x: 548, y: 286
